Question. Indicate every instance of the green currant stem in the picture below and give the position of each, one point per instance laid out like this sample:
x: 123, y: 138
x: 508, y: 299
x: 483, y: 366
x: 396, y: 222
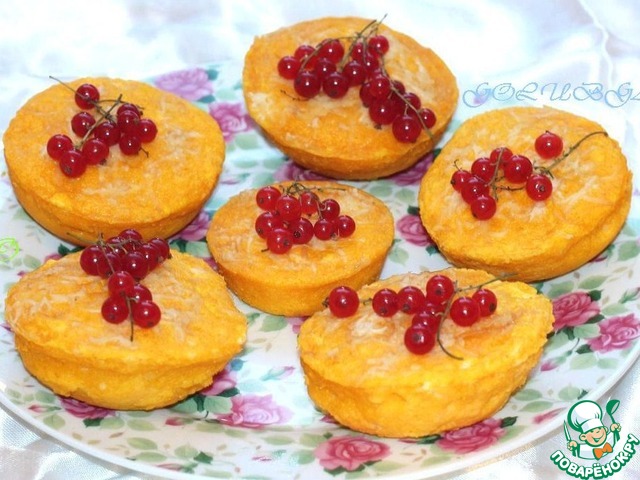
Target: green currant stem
x: 571, y: 149
x: 494, y: 177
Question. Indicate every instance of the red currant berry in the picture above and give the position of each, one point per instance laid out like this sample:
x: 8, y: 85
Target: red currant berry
x: 433, y: 308
x: 539, y: 187
x: 549, y: 145
x: 325, y: 229
x: 517, y: 169
x: 419, y: 339
x: 460, y: 178
x: 128, y: 107
x: 141, y: 293
x: 146, y: 314
x: 266, y: 222
x: 266, y: 197
x: 370, y: 62
x: 288, y: 208
x: 108, y: 132
x: 385, y: 302
x: 439, y: 289
x: 474, y: 188
x: 95, y: 151
x: 329, y: 209
x: 152, y: 254
x: 87, y: 95
x: 323, y: 68
x: 383, y: 112
x: 483, y: 168
x: 379, y: 86
x: 500, y: 154
x: 406, y: 128
x: 379, y: 44
x: 163, y: 247
x: 428, y: 319
x: 346, y: 226
x: 115, y: 309
x: 427, y: 116
x: 73, y: 163
x: 121, y: 283
x: 303, y: 51
x: 307, y: 84
x: 332, y: 50
x: 289, y: 66
x: 81, y: 122
x: 335, y: 85
x: 464, y: 311
x: 130, y: 234
x: 365, y: 96
x: 410, y: 299
x: 412, y: 99
x: 147, y: 130
x: 57, y: 145
x: 136, y: 264
x: 89, y: 259
x: 279, y: 240
x: 484, y: 207
x: 399, y: 86
x: 302, y: 230
x: 127, y: 121
x: 355, y: 72
x: 487, y: 301
x: 129, y: 144
x: 309, y: 203
x: 343, y: 301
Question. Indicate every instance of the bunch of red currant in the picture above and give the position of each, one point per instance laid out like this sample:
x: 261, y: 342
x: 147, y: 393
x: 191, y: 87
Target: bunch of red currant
x: 330, y: 68
x: 127, y: 128
x: 294, y: 216
x: 125, y: 260
x: 479, y: 185
x: 429, y: 306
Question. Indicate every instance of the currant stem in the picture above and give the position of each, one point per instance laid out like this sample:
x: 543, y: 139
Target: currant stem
x: 571, y: 149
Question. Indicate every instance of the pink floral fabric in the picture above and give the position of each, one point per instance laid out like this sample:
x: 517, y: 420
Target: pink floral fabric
x: 573, y: 309
x: 292, y: 171
x: 350, y: 452
x: 254, y: 411
x: 473, y: 438
x: 411, y: 229
x: 224, y: 380
x: 414, y: 174
x: 196, y: 230
x: 231, y: 117
x: 192, y: 84
x: 83, y: 410
x: 616, y: 333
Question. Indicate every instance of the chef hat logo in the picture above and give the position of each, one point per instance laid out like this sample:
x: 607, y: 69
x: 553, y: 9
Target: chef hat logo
x: 585, y: 416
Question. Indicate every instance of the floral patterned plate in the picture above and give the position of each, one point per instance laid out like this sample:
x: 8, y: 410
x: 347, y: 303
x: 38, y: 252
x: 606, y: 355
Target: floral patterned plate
x: 256, y: 420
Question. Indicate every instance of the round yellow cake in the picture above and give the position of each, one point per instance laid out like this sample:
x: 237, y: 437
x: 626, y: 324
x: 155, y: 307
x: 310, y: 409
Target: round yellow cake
x: 297, y: 282
x: 359, y: 371
x: 157, y: 194
x: 336, y: 137
x: 531, y: 240
x: 65, y: 343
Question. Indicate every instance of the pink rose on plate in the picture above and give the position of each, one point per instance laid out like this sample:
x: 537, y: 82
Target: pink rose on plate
x: 224, y: 380
x: 231, y: 117
x: 412, y: 230
x: 83, y: 410
x: 295, y: 323
x: 254, y: 411
x: 191, y: 84
x: 350, y: 452
x: 573, y: 309
x: 473, y: 438
x: 413, y: 174
x: 544, y: 417
x: 196, y: 230
x: 616, y: 333
x: 292, y: 171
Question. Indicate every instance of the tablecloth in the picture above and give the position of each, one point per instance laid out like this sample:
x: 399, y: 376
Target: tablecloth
x: 495, y: 48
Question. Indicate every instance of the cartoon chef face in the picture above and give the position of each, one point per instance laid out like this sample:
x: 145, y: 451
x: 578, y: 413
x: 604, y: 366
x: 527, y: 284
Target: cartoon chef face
x: 595, y: 437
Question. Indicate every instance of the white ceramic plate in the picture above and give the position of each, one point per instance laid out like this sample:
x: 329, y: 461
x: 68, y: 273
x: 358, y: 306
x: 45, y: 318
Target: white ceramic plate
x: 256, y: 420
